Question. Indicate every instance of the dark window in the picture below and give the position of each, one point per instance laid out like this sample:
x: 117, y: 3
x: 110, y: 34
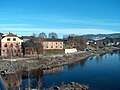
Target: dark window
x: 15, y: 51
x: 51, y: 46
x: 27, y: 50
x: 14, y: 39
x: 5, y: 45
x: 11, y: 45
x: 60, y: 46
x: 56, y: 42
x: 56, y: 46
x: 8, y: 39
x: 17, y: 45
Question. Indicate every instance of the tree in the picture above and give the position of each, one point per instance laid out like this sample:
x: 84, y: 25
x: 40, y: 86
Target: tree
x: 53, y: 35
x: 34, y: 35
x: 42, y: 35
x: 80, y: 42
x: 71, y: 40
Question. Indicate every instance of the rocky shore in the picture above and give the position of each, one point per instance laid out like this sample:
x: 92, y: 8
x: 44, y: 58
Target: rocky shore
x: 69, y: 86
x: 47, y: 62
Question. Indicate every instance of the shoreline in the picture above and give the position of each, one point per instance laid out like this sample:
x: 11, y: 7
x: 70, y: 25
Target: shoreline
x: 70, y: 86
x: 49, y: 62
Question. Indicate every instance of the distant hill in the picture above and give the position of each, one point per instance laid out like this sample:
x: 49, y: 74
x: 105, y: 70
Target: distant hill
x: 102, y: 36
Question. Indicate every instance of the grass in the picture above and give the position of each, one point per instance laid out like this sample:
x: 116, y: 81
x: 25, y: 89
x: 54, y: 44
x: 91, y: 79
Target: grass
x: 53, y: 52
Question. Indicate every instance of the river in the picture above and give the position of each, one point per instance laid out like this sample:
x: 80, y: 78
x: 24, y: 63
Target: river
x: 99, y: 73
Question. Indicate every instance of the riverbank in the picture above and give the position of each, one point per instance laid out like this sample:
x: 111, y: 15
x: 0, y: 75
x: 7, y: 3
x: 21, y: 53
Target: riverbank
x: 69, y: 86
x: 47, y: 62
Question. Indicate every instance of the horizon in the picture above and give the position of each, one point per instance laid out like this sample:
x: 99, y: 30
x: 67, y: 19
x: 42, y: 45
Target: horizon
x: 66, y: 35
x: 64, y: 17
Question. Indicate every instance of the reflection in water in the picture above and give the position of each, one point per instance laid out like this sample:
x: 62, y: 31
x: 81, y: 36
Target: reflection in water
x: 70, y: 66
x: 100, y: 58
x: 13, y: 81
x: 97, y: 75
x: 53, y: 70
x: 82, y: 63
x: 119, y: 55
x: 32, y: 80
x: 111, y: 53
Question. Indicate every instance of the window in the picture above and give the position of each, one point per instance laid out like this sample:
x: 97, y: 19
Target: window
x: 5, y: 45
x: 51, y: 46
x: 8, y: 39
x: 14, y: 39
x: 60, y: 46
x: 27, y: 50
x: 11, y: 45
x: 17, y: 45
x: 56, y: 43
x: 46, y: 46
x: 56, y: 46
x: 14, y: 51
x: 60, y: 42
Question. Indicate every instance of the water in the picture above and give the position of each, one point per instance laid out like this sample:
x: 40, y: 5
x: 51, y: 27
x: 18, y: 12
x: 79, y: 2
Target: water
x: 100, y: 73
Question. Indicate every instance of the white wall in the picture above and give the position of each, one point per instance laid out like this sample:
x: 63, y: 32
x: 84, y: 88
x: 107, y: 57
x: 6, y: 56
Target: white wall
x: 70, y: 50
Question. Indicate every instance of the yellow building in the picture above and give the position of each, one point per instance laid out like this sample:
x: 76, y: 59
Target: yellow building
x: 10, y: 45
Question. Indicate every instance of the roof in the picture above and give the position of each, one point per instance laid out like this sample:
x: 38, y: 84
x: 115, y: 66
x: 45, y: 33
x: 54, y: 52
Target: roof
x: 11, y: 35
x: 1, y: 34
x: 26, y: 37
x: 53, y: 40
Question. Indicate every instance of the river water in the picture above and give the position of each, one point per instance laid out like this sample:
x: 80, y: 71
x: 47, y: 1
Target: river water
x: 99, y: 73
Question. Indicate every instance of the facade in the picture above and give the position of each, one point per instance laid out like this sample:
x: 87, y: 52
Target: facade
x: 10, y: 44
x: 73, y: 50
x: 50, y: 44
x: 32, y: 48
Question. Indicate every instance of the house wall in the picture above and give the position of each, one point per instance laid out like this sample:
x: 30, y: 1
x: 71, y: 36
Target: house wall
x: 11, y: 46
x: 70, y: 50
x: 30, y: 51
x: 52, y: 45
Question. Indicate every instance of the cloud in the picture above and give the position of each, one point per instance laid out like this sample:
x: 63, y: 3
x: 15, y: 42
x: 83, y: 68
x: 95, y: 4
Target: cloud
x: 90, y: 22
x: 14, y: 25
x: 77, y: 31
x: 60, y: 19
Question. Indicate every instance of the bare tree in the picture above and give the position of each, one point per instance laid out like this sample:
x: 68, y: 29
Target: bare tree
x: 78, y: 41
x: 34, y: 35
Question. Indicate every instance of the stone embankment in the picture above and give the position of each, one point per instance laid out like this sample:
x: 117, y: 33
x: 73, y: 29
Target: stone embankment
x: 47, y: 62
x: 69, y: 86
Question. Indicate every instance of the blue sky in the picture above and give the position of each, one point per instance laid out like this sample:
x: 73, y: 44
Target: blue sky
x: 25, y: 17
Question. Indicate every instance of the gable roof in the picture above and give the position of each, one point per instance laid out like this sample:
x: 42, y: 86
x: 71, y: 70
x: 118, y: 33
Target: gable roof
x: 11, y: 35
x: 53, y: 40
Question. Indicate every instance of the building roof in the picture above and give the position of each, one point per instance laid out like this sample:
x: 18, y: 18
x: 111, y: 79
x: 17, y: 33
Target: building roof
x: 11, y: 35
x: 1, y: 34
x: 53, y: 40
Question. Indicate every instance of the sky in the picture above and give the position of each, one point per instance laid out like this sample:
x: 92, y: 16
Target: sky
x: 25, y: 17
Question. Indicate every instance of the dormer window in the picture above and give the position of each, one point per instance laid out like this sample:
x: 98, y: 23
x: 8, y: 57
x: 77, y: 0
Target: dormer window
x: 8, y: 39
